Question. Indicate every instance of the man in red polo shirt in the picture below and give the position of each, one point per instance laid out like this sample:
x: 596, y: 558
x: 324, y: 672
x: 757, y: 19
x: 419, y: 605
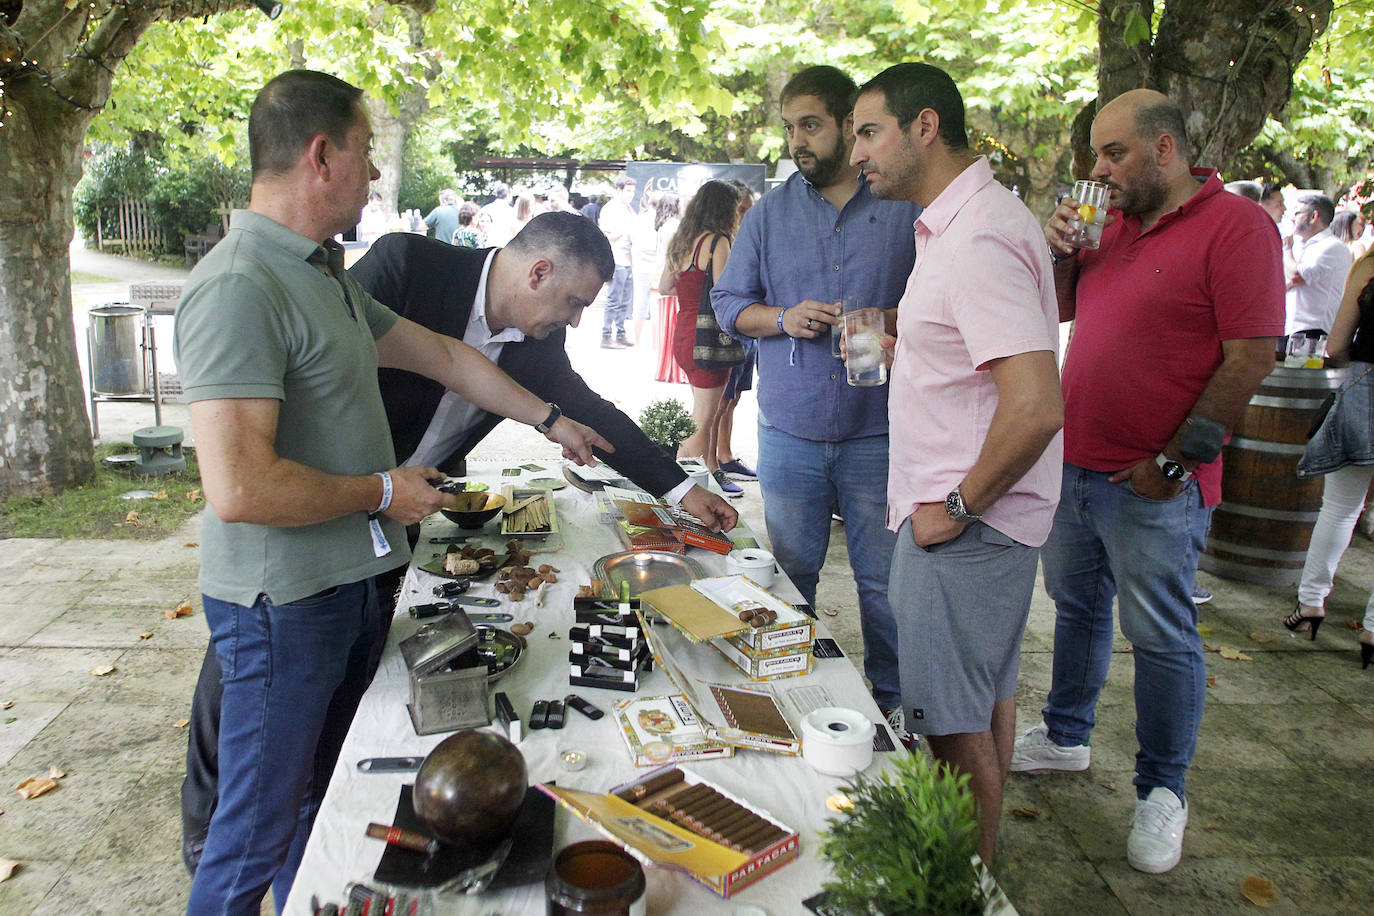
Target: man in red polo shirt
x: 1175, y: 323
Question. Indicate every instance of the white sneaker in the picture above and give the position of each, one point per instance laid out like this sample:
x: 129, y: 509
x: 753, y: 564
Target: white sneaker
x: 896, y: 720
x: 1035, y: 751
x: 1156, y: 841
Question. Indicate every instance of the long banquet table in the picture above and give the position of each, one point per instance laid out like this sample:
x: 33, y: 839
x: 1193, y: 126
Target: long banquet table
x: 787, y: 787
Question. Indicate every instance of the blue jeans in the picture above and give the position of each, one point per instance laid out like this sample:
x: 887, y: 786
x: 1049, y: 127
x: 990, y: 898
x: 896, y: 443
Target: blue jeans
x: 618, y: 301
x: 1110, y: 542
x: 800, y: 480
x: 293, y: 675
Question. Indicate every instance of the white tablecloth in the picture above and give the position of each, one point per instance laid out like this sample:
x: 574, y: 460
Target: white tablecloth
x: 787, y: 787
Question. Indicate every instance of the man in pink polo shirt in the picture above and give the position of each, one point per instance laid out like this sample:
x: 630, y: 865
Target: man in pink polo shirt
x: 974, y: 412
x: 1175, y: 319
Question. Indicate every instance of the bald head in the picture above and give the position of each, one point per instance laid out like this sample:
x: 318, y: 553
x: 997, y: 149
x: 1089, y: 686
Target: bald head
x: 1152, y: 114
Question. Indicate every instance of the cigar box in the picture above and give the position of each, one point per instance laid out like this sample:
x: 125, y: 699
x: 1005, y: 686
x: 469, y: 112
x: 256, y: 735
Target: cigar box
x: 607, y: 615
x: 659, y: 729
x: 732, y: 711
x: 711, y: 607
x: 608, y: 657
x: 597, y: 636
x: 764, y: 666
x: 602, y: 677
x: 639, y: 827
x: 448, y: 681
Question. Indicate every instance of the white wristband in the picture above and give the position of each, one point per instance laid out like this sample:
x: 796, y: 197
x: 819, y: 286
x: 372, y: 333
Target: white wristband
x: 386, y: 492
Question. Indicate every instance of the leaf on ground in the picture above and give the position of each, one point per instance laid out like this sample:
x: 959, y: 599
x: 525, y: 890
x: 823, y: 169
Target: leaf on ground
x: 102, y: 670
x: 131, y: 518
x: 1203, y: 630
x: 181, y: 723
x: 830, y: 612
x: 191, y: 544
x: 1261, y: 637
x: 1258, y: 891
x: 55, y: 773
x: 1212, y: 680
x: 1207, y: 647
x: 181, y: 610
x: 148, y: 635
x: 1234, y: 655
x: 160, y: 494
x: 8, y: 704
x: 1025, y: 814
x: 1353, y: 625
x: 9, y: 720
x: 1109, y: 786
x: 7, y: 866
x: 195, y: 496
x: 35, y: 786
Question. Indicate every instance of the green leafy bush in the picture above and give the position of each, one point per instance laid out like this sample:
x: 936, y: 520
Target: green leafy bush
x: 183, y: 196
x: 667, y: 423
x: 907, y: 844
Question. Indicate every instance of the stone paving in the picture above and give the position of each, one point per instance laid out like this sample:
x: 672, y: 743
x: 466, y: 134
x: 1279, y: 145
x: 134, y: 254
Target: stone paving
x: 1278, y: 790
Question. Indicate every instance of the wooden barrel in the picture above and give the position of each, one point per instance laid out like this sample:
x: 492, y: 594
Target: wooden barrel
x: 1261, y: 530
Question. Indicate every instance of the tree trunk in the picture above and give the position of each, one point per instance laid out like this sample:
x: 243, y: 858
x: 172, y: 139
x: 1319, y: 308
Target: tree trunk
x: 46, y: 441
x: 388, y: 151
x: 1227, y: 63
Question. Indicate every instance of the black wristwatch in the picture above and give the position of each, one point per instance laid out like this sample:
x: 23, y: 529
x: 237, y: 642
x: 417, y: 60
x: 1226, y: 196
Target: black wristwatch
x: 954, y: 507
x: 1172, y: 469
x: 554, y: 413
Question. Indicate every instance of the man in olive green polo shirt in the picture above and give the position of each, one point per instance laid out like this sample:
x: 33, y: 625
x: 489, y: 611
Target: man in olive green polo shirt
x: 279, y: 350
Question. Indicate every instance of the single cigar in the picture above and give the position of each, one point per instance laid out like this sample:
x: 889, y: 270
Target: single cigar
x: 650, y: 786
x: 406, y: 839
x: 753, y: 836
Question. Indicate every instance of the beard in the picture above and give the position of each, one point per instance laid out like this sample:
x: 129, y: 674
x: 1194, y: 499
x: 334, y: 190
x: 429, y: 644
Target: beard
x: 824, y: 169
x: 1146, y: 194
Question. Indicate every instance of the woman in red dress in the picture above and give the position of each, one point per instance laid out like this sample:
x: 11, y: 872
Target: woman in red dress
x: 701, y: 243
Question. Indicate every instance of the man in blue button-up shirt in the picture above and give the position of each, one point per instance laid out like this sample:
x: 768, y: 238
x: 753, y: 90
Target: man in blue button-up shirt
x: 818, y: 239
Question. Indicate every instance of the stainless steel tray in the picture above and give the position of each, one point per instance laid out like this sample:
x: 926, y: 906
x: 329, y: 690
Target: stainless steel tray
x: 499, y: 649
x: 644, y: 570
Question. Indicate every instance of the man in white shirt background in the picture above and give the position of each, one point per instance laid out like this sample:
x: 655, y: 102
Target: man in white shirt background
x: 1315, y: 264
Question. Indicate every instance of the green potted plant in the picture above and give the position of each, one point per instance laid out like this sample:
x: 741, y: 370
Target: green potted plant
x: 667, y: 423
x: 907, y: 844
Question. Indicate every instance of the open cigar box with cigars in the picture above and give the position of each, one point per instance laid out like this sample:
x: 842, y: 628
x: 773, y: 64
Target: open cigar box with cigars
x: 673, y: 818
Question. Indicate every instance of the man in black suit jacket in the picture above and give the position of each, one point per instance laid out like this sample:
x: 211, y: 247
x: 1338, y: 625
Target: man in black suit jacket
x: 531, y: 290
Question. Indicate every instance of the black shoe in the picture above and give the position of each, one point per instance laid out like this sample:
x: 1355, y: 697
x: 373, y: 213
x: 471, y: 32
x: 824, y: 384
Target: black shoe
x: 1295, y: 621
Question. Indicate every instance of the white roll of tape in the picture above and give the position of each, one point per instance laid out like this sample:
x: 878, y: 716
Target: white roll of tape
x: 753, y: 562
x: 837, y: 741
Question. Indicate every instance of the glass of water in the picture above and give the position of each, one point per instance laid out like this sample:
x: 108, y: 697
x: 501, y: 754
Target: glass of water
x: 1092, y: 214
x: 847, y: 304
x: 865, y: 365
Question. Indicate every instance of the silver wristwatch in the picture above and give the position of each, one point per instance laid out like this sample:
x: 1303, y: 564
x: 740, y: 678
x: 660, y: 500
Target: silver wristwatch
x: 954, y: 507
x: 1172, y: 469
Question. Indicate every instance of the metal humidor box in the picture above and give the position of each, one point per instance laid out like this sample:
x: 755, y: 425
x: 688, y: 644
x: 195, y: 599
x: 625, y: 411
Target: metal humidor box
x: 448, y: 680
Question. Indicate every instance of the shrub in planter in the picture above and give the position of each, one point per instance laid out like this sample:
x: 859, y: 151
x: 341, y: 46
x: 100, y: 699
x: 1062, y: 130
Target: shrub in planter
x: 667, y: 423
x: 907, y: 844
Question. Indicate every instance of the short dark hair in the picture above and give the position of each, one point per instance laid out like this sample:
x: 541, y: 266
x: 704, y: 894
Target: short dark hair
x: 294, y: 108
x: 909, y: 89
x: 1247, y: 189
x: 1164, y: 118
x: 1270, y: 188
x: 829, y: 84
x: 467, y: 213
x: 1323, y: 206
x: 566, y: 237
x: 624, y: 180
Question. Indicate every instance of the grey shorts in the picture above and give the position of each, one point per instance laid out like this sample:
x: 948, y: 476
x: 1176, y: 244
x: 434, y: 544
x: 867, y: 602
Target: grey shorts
x: 961, y: 609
